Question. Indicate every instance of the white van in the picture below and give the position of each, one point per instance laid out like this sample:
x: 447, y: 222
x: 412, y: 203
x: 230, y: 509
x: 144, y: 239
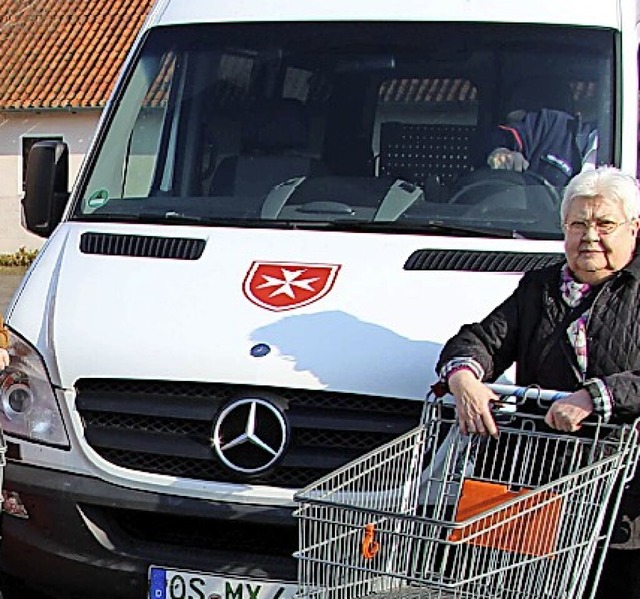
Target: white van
x: 285, y: 212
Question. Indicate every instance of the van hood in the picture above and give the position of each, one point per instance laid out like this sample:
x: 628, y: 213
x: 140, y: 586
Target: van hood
x: 303, y: 309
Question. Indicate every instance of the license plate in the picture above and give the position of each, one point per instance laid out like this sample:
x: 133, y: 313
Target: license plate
x: 183, y: 584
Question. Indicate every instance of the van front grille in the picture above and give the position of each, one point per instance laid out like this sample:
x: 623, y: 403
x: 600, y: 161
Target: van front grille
x: 166, y: 427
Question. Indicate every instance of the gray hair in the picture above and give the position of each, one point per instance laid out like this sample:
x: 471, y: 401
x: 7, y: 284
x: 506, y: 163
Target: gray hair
x: 608, y: 182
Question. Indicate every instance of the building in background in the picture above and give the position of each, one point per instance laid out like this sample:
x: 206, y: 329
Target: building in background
x: 59, y: 60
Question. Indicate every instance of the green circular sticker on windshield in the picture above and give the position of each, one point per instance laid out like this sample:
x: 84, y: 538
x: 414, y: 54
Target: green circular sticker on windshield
x: 98, y: 198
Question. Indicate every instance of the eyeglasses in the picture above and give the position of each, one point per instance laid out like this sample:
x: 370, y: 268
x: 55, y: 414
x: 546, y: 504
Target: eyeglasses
x: 603, y: 227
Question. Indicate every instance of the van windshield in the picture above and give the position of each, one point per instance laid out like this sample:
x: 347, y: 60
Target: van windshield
x: 397, y: 126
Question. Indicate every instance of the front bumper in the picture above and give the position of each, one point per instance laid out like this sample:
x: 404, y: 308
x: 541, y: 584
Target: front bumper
x: 88, y: 538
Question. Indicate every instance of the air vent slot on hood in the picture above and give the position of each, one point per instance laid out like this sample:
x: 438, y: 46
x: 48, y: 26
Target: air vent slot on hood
x: 480, y: 261
x: 141, y: 246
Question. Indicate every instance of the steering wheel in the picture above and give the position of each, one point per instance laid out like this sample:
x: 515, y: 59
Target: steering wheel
x: 538, y: 179
x: 483, y: 187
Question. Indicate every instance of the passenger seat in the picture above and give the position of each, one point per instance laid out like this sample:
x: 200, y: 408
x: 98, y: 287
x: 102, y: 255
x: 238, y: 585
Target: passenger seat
x: 274, y: 149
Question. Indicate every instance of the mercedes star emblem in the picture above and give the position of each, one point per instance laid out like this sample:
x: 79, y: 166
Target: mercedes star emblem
x: 250, y: 435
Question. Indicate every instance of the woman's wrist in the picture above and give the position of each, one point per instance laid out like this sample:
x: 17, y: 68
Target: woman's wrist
x: 459, y: 369
x: 459, y: 377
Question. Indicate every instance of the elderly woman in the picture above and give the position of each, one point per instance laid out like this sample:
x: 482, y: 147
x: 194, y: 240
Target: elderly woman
x: 574, y: 326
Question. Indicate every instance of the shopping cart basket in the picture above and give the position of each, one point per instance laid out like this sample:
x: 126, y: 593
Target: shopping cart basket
x: 435, y: 513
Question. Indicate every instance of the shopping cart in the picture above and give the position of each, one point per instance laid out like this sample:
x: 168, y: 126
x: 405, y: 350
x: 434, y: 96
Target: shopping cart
x: 438, y: 514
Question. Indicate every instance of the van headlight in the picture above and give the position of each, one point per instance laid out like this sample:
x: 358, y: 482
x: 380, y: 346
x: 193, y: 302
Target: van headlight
x: 28, y: 406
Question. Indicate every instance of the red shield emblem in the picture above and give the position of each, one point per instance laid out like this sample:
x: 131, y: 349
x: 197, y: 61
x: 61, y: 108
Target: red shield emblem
x: 286, y: 285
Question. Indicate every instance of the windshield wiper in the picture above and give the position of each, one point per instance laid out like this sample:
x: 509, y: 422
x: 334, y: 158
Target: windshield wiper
x: 422, y: 227
x: 171, y: 217
x: 425, y: 227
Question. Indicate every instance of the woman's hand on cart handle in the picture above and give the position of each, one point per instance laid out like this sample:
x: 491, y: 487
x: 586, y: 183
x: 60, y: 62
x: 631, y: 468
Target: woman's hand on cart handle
x: 567, y: 413
x: 473, y: 403
x: 566, y: 410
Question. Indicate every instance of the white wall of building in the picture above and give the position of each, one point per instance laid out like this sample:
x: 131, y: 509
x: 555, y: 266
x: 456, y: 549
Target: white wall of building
x: 76, y: 128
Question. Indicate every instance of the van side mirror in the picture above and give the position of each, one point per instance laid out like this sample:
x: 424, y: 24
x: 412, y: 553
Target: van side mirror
x: 46, y: 186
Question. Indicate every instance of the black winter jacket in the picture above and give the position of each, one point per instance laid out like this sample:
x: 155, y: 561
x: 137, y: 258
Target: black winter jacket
x: 518, y: 331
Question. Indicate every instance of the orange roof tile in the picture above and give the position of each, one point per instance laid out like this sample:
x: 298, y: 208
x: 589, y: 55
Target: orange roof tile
x: 64, y: 53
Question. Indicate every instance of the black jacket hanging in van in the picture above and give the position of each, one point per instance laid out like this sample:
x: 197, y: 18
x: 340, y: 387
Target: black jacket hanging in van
x: 555, y: 143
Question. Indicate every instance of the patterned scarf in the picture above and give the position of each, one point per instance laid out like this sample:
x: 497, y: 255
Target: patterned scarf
x: 573, y: 292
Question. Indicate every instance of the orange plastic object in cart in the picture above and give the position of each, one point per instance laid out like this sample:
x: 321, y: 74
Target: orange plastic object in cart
x: 529, y: 526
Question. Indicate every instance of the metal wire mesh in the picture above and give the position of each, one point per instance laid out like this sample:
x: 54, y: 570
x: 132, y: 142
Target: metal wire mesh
x: 435, y: 513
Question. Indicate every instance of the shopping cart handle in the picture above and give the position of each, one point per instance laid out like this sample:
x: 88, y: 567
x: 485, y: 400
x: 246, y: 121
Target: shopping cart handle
x: 530, y: 392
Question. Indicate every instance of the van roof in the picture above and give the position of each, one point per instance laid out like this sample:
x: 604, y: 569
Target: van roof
x: 604, y: 13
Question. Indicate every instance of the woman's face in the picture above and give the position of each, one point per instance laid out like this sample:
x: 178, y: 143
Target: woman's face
x: 599, y: 238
